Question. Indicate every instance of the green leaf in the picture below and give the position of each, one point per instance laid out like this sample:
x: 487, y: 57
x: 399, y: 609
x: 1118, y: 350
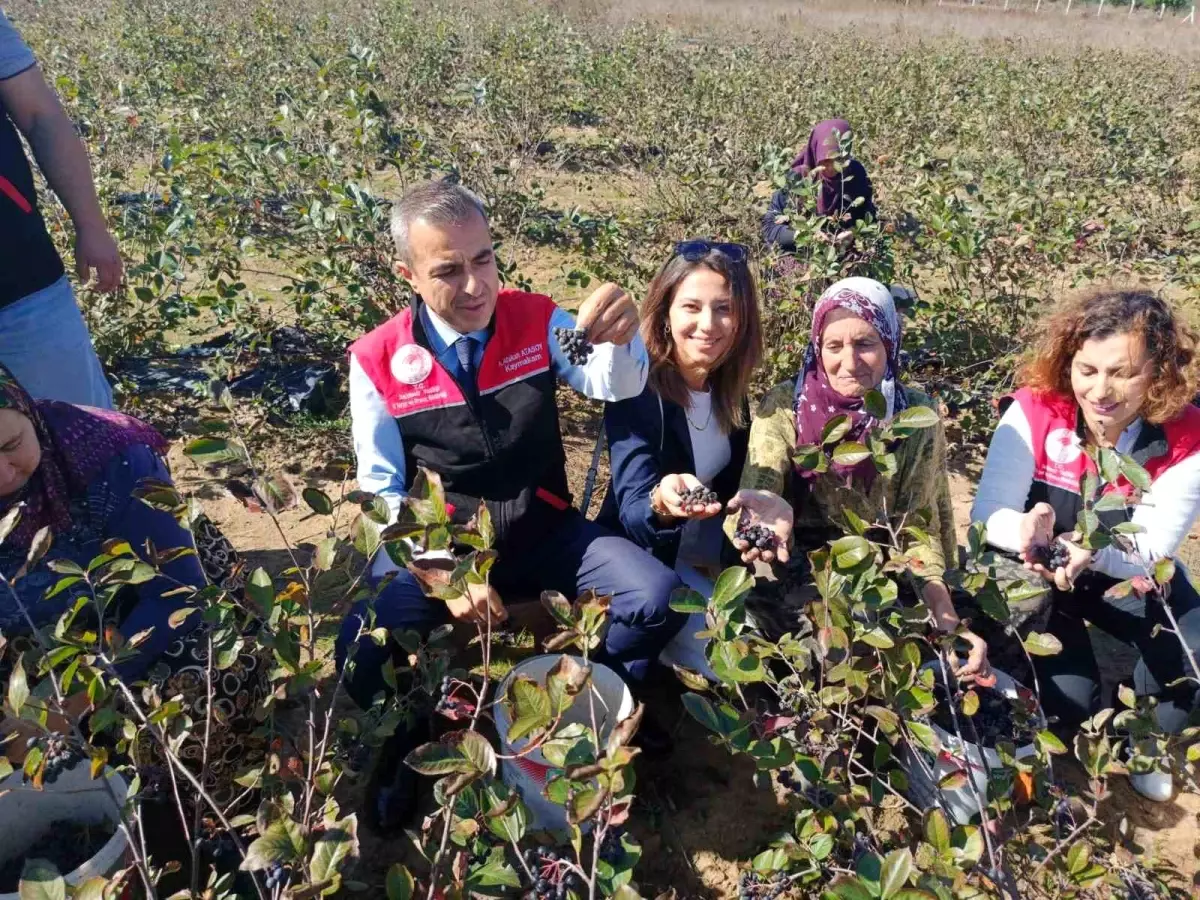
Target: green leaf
x: 887, y: 719
x: 914, y: 418
x: 937, y: 831
x: 1110, y: 465
x: 261, y: 591
x: 493, y: 873
x: 1164, y: 570
x: 731, y: 585
x: 318, y: 501
x: 399, y: 884
x: 850, y: 551
x: 897, y: 869
x: 924, y: 735
x: 1040, y: 644
x: 529, y: 708
x: 439, y: 758
x: 40, y: 880
x: 478, y: 751
x: 875, y: 405
x: 877, y: 637
x: 282, y: 842
x: 333, y: 845
x: 835, y: 429
x: 1078, y: 857
x: 1049, y: 742
x: 18, y: 688
x: 970, y: 703
x: 686, y: 600
x: 702, y: 711
x: 213, y: 450
x: 809, y: 457
x: 850, y: 453
x: 1135, y: 474
x: 848, y: 887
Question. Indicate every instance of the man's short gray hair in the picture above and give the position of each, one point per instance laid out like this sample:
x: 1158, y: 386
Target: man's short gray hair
x: 439, y: 202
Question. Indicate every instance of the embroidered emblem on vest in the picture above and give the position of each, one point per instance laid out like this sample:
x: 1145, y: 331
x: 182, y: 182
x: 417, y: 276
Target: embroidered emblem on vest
x: 411, y: 364
x: 1062, y: 446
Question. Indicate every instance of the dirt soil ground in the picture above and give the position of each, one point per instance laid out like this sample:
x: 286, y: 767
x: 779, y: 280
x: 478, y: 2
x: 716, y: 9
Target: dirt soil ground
x: 698, y: 811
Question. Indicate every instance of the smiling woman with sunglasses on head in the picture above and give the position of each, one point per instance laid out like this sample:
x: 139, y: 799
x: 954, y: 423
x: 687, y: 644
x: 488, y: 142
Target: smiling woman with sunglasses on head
x: 854, y: 349
x: 683, y: 440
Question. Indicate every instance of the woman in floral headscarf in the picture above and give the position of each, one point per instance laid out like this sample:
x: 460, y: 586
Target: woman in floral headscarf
x: 854, y: 349
x: 68, y: 475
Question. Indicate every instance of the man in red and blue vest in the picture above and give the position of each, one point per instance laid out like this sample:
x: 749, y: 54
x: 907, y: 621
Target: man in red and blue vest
x: 463, y: 383
x: 44, y: 341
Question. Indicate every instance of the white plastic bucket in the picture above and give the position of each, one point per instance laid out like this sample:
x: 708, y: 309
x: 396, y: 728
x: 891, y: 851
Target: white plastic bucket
x: 26, y: 813
x: 527, y: 774
x: 955, y: 756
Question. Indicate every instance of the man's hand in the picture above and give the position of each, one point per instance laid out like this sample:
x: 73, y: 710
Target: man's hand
x: 609, y: 316
x: 96, y: 250
x: 476, y: 604
x: 771, y: 510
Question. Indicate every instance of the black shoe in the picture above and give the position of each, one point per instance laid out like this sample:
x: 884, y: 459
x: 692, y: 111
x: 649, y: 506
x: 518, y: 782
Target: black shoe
x: 391, y: 799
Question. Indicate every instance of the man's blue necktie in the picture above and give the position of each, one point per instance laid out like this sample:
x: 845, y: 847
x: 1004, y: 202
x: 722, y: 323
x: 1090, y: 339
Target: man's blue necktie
x: 465, y: 348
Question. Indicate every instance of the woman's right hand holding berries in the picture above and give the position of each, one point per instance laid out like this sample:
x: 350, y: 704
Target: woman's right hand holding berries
x: 683, y: 497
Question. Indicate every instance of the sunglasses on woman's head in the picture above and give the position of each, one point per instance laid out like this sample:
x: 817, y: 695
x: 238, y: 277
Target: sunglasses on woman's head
x: 698, y: 249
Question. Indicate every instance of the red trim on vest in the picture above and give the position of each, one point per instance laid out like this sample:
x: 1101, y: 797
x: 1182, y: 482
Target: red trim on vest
x: 411, y: 380
x: 10, y: 189
x: 557, y: 502
x: 1059, y: 460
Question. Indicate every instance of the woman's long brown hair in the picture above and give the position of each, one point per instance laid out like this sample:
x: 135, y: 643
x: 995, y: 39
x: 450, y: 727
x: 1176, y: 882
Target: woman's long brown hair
x: 729, y: 380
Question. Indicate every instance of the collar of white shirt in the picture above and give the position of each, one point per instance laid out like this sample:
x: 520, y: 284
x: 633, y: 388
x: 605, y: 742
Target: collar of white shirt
x: 439, y: 331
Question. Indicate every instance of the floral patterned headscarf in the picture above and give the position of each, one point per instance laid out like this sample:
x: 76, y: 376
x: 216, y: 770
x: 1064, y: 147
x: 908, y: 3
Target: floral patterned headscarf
x: 816, y: 399
x: 77, y: 442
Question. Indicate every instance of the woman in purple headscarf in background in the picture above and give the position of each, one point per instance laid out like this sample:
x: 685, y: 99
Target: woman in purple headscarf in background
x: 843, y: 190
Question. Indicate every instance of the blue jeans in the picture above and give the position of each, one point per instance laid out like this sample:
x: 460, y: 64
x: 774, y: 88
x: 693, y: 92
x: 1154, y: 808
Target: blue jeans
x: 45, y: 344
x: 1070, y: 680
x: 578, y: 554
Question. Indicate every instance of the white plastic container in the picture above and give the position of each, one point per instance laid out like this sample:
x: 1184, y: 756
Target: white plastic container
x: 26, y: 813
x: 528, y: 773
x: 957, y: 756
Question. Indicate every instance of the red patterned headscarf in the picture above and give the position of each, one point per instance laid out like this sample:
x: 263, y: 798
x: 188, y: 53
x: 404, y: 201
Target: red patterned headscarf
x: 816, y: 399
x: 77, y: 443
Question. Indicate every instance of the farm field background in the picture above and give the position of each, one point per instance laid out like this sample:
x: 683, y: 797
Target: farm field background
x: 246, y: 150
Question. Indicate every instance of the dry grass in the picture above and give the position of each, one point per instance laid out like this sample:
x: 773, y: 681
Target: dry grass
x: 916, y: 20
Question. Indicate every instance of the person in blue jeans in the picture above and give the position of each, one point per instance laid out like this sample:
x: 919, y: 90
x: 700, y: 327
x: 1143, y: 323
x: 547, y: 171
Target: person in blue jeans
x: 463, y: 383
x: 43, y: 339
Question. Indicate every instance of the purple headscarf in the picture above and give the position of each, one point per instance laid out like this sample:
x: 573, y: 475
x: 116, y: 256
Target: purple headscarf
x: 836, y: 192
x: 816, y: 399
x: 77, y: 443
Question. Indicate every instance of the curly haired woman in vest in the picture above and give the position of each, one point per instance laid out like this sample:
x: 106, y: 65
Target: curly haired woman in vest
x: 1117, y: 370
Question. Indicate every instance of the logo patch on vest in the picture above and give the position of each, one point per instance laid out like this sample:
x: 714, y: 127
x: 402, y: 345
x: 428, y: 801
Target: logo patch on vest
x: 411, y: 364
x: 1062, y: 446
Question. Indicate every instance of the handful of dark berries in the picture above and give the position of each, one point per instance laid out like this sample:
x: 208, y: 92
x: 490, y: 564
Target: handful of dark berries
x: 1053, y: 557
x: 698, y: 496
x: 575, y: 345
x: 57, y: 754
x: 759, y: 537
x: 552, y: 874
